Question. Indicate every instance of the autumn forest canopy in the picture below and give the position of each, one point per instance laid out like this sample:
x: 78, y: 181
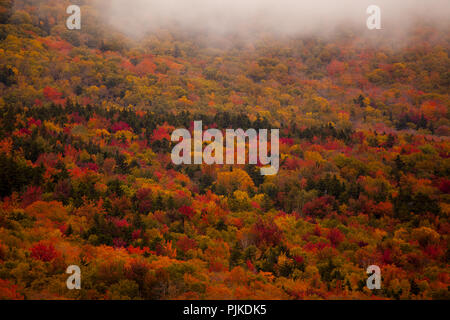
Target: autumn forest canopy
x: 86, y: 176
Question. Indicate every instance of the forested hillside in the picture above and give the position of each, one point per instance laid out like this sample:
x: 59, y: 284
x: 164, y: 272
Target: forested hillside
x: 86, y: 176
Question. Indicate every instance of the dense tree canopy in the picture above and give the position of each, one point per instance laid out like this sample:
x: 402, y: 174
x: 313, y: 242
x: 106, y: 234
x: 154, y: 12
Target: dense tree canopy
x: 86, y: 176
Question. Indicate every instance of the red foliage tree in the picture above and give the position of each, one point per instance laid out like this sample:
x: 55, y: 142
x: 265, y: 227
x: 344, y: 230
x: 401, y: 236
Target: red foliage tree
x: 186, y: 244
x: 8, y: 291
x: 43, y: 252
x: 120, y: 126
x: 267, y: 232
x: 335, y: 236
x: 319, y: 207
x: 187, y: 211
x: 51, y: 94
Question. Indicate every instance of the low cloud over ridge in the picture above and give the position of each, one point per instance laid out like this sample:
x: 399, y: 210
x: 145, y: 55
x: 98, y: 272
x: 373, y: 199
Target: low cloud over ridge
x: 136, y: 17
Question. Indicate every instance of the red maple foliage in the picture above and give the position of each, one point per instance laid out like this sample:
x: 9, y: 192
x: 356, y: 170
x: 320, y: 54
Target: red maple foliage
x: 43, y: 252
x: 187, y: 211
x: 335, y: 236
x: 8, y: 291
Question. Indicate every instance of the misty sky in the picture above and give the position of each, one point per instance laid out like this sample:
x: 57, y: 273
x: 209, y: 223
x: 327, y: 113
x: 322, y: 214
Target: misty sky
x: 136, y: 17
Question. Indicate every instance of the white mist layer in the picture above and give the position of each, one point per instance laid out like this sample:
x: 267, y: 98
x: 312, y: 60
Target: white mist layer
x: 136, y: 17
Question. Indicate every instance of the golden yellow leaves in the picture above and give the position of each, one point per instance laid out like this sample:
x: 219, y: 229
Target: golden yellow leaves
x: 233, y: 180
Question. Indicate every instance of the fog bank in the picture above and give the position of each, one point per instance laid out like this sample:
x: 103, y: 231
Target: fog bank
x: 136, y: 17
